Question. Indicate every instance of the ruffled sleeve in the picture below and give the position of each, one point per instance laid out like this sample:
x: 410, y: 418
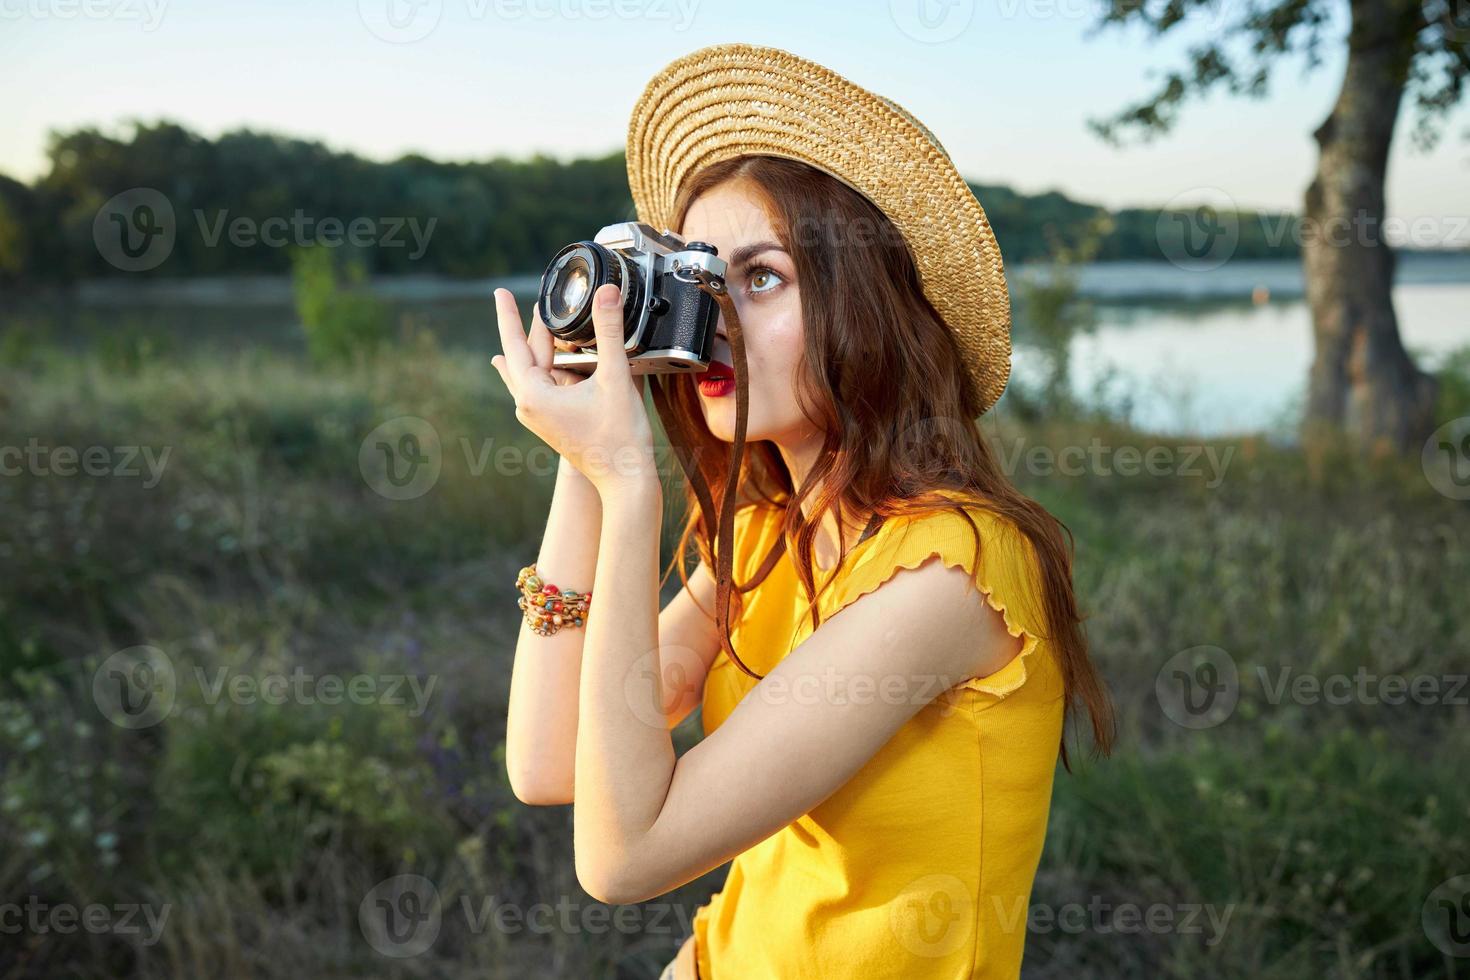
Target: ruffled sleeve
x: 1004, y: 569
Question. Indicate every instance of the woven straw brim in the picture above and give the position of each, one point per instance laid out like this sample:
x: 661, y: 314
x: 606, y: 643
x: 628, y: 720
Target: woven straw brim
x: 736, y: 100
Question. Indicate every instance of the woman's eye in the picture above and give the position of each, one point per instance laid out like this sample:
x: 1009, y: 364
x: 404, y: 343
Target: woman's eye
x: 763, y: 281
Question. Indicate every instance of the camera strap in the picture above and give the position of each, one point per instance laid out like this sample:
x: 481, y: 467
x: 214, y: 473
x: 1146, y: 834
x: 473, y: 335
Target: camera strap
x: 722, y: 527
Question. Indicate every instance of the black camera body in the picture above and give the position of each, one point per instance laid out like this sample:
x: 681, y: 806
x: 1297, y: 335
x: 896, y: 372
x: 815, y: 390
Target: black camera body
x: 669, y: 317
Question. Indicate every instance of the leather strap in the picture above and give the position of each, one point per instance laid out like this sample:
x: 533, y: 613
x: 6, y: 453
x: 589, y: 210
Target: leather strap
x: 725, y: 537
x: 721, y: 529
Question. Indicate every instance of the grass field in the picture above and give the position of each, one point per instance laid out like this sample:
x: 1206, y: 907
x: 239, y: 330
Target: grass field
x: 228, y: 524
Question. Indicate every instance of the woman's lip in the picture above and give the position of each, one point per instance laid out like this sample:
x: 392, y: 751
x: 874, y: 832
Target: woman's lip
x: 718, y: 380
x: 716, y: 387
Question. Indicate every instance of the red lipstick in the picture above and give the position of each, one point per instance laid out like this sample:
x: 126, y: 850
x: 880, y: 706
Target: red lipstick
x: 718, y: 381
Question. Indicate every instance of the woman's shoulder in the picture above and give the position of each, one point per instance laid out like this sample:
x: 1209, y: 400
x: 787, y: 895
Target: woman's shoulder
x: 975, y: 536
x: 1001, y: 560
x: 965, y: 519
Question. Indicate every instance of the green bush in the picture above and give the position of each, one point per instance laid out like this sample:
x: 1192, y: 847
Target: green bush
x: 341, y: 319
x: 1454, y: 386
x: 1310, y: 856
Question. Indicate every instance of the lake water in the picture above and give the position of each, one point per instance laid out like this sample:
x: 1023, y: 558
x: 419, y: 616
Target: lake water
x: 1194, y: 353
x: 1211, y: 353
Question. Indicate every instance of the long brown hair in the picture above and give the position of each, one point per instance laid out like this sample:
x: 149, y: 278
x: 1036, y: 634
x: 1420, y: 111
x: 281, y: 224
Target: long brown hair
x: 884, y: 379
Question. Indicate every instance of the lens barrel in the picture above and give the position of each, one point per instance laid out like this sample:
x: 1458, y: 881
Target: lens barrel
x: 571, y: 279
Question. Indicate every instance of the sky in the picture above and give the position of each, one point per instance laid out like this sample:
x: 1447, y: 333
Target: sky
x: 1007, y: 85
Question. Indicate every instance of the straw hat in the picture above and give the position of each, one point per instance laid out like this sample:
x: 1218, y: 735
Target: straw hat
x: 731, y: 100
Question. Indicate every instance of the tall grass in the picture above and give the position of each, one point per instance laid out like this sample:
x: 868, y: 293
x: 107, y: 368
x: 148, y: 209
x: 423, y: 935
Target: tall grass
x: 264, y: 548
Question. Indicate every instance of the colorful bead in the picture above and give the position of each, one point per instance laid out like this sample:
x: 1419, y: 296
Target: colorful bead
x: 546, y: 607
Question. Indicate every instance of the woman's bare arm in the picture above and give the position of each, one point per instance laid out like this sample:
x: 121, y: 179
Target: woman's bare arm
x: 541, y: 730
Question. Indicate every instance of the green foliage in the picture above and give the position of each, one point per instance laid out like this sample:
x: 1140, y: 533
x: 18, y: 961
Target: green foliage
x: 1246, y: 43
x: 129, y: 349
x: 1313, y: 854
x: 268, y: 785
x: 20, y: 345
x: 14, y: 244
x: 1454, y: 385
x: 336, y: 786
x: 493, y: 217
x: 1030, y: 228
x: 63, y: 789
x: 341, y: 319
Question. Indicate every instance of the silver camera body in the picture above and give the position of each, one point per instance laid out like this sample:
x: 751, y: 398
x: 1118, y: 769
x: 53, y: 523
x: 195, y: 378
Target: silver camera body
x: 669, y: 314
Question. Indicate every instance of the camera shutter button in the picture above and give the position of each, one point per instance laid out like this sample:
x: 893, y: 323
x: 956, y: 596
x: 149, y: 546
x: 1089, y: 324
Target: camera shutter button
x: 702, y: 247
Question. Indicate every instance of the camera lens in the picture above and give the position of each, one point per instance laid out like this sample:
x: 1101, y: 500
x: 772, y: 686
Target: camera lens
x: 565, y: 302
x: 568, y: 292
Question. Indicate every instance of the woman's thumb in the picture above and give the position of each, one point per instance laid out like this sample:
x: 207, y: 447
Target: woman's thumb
x: 607, y: 321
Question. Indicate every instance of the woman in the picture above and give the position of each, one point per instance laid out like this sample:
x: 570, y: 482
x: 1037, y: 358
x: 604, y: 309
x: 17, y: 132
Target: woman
x: 884, y: 687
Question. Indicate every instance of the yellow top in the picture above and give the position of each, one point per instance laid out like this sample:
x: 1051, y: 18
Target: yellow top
x: 921, y: 865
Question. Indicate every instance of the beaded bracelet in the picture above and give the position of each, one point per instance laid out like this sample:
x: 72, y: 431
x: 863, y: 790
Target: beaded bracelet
x: 546, y: 607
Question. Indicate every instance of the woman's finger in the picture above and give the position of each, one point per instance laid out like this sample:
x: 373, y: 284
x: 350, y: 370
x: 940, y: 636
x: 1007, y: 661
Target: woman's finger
x: 518, y: 360
x: 540, y: 339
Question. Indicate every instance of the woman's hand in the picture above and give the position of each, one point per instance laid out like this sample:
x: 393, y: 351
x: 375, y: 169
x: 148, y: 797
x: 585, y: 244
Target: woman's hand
x: 596, y: 423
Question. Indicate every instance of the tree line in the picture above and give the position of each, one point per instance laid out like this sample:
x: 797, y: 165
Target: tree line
x: 489, y: 218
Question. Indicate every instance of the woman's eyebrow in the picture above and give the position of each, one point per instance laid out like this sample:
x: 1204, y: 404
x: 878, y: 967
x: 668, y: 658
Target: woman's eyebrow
x: 745, y: 253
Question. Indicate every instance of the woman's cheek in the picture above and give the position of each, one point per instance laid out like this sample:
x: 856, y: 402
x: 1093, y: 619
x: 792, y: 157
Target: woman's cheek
x: 782, y: 356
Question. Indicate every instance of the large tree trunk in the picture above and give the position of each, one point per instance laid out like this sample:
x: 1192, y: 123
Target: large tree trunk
x: 1363, y: 381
